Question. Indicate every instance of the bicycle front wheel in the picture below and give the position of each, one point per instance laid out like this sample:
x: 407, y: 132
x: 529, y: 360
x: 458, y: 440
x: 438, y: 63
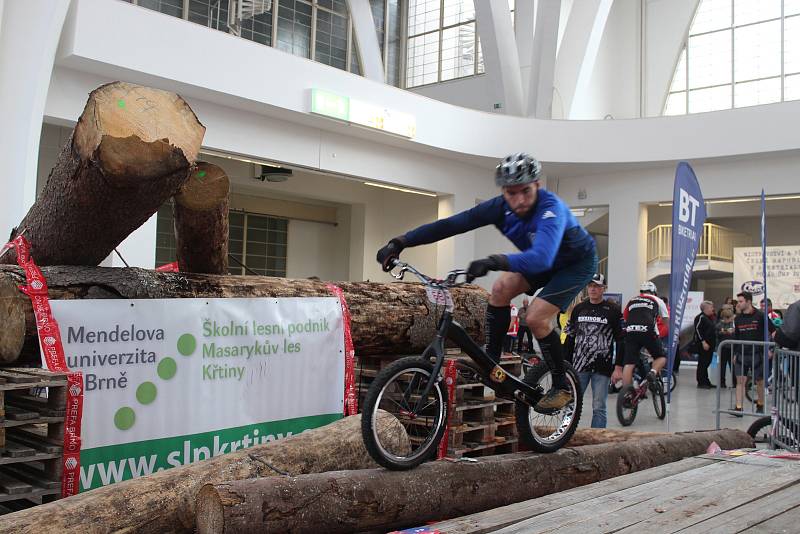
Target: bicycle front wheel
x: 398, y: 390
x: 549, y: 432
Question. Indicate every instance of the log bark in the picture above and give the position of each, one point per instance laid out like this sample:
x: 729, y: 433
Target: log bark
x: 347, y: 501
x: 386, y: 318
x: 131, y: 150
x: 165, y: 501
x: 595, y: 436
x: 200, y: 211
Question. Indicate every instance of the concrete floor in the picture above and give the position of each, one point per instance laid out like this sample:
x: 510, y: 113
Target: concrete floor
x: 691, y: 409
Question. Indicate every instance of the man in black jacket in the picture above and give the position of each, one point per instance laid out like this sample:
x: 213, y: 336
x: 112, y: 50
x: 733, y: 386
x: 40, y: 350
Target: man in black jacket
x: 704, y: 340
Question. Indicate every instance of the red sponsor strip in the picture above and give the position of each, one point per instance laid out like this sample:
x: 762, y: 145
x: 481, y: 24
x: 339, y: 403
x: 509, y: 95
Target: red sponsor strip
x: 53, y: 354
x: 350, y: 395
x: 169, y: 268
x: 450, y: 376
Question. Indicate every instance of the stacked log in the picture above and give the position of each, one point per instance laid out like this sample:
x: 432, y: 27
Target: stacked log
x: 165, y: 501
x: 386, y: 318
x: 376, y: 499
x: 200, y: 212
x: 132, y: 149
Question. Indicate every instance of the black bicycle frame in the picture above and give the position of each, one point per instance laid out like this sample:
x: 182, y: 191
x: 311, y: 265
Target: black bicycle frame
x: 491, y: 374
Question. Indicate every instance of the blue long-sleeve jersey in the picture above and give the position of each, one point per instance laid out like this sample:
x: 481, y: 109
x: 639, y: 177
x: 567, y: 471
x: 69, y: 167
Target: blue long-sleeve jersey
x: 549, y: 238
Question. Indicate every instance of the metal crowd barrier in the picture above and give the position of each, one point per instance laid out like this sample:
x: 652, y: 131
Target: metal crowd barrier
x: 751, y: 360
x: 785, y: 433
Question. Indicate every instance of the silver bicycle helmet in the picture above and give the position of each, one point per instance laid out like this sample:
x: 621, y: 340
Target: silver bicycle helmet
x: 517, y: 169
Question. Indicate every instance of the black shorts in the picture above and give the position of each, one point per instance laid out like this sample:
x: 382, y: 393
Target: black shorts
x: 749, y: 364
x: 560, y: 287
x: 636, y: 341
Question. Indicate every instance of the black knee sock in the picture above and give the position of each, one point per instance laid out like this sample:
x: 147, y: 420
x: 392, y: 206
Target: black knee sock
x: 551, y: 349
x: 497, y: 320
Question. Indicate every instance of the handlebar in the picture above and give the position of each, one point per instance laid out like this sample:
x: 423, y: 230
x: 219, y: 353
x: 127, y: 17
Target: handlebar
x: 451, y: 280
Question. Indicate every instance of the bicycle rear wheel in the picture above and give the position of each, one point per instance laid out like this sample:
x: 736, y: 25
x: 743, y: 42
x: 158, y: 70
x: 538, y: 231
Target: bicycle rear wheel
x: 549, y: 432
x: 397, y: 389
x: 626, y: 406
x: 760, y: 430
x: 659, y: 402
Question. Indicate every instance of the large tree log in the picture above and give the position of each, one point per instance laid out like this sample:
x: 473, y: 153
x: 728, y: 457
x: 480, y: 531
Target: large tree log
x: 165, y: 501
x: 200, y: 211
x: 347, y: 501
x: 386, y: 318
x: 130, y: 152
x: 595, y: 436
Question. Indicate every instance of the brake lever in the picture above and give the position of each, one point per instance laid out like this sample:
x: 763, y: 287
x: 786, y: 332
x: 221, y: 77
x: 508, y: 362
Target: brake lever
x: 400, y: 274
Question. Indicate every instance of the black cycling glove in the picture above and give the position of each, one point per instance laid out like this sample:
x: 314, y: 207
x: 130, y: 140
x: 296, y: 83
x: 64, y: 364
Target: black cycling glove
x: 390, y: 252
x: 478, y: 268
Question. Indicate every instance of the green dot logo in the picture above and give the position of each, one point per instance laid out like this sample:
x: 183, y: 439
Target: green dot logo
x: 146, y: 392
x: 187, y: 344
x: 121, y: 103
x: 124, y: 418
x: 167, y: 368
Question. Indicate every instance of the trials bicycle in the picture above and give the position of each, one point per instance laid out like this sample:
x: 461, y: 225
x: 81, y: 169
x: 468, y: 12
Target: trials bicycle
x: 630, y: 396
x: 413, y: 390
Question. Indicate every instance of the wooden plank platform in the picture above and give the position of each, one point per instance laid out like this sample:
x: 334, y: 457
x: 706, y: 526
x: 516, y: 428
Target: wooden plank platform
x: 747, y: 492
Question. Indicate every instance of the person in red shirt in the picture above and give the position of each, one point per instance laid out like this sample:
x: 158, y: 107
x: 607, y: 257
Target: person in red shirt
x: 646, y: 318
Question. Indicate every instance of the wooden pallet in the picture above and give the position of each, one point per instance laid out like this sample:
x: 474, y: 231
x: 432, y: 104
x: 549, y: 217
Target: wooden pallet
x: 31, y: 436
x: 480, y: 423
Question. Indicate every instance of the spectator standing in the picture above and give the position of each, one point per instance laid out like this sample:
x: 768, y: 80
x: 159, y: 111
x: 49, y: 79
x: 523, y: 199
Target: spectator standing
x: 725, y: 329
x: 704, y: 334
x: 749, y: 325
x: 788, y: 335
x: 594, y: 327
x: 524, y: 329
x: 513, y: 329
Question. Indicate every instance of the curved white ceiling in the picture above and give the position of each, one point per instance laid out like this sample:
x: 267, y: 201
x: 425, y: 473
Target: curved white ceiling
x: 237, y: 73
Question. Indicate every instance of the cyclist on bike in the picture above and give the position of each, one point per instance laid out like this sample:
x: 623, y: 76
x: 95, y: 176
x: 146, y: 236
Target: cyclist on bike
x: 557, y: 255
x: 646, y: 318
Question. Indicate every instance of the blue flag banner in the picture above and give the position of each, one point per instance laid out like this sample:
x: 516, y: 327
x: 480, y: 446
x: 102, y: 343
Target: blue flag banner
x: 688, y: 217
x: 764, y: 273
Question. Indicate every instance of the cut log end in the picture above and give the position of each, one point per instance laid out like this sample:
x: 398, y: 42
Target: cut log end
x: 206, y: 189
x: 12, y: 317
x: 122, y: 110
x: 210, y: 511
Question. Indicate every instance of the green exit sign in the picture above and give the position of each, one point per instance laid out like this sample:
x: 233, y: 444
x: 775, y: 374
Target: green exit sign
x: 330, y: 104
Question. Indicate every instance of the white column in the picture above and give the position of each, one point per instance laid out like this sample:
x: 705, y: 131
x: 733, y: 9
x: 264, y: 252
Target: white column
x: 666, y: 27
x: 367, y: 38
x: 542, y: 61
x: 627, y: 247
x: 357, y: 254
x: 500, y: 55
x: 29, y: 35
x: 458, y: 251
x: 524, y: 20
x: 578, y: 51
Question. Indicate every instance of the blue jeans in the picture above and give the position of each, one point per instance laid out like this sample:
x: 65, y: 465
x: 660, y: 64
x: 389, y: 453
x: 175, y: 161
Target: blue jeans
x: 599, y: 396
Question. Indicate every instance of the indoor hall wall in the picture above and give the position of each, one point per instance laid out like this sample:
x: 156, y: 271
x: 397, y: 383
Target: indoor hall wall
x: 368, y: 217
x: 318, y: 249
x: 627, y: 191
x: 474, y: 92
